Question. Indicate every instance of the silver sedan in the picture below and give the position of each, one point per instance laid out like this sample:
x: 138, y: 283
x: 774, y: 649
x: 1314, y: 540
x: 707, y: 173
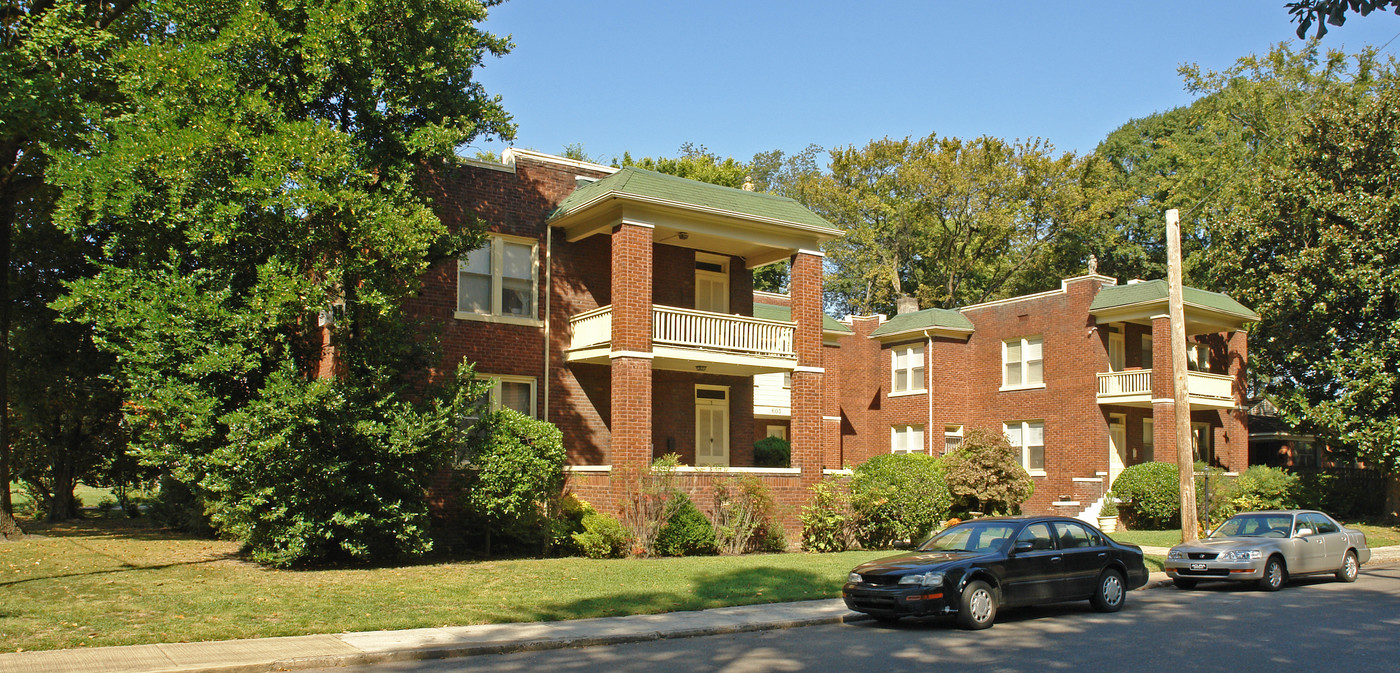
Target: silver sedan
x: 1268, y: 548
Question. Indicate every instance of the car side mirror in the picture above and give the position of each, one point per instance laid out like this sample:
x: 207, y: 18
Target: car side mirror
x: 1022, y: 546
x: 1304, y: 532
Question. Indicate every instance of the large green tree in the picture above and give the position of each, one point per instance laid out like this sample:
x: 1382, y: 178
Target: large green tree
x: 269, y: 169
x: 1318, y: 256
x: 1323, y: 12
x: 1203, y: 158
x: 953, y: 221
x: 57, y: 79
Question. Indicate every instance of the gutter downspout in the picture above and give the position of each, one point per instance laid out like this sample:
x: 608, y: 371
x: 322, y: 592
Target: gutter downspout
x: 548, y: 291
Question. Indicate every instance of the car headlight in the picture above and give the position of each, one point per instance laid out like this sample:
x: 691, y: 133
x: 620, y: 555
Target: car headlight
x: 1176, y: 554
x: 854, y: 578
x: 933, y: 579
x: 1241, y: 555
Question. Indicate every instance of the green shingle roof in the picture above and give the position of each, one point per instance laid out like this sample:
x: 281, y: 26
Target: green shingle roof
x: 783, y: 313
x: 1116, y: 296
x: 929, y: 318
x: 646, y: 184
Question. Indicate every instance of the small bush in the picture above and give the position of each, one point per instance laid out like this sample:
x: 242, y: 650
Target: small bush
x: 565, y: 520
x: 1220, y: 504
x: 772, y: 452
x: 1150, y: 495
x: 985, y: 475
x: 603, y: 537
x: 687, y: 532
x: 828, y: 524
x: 177, y: 507
x: 1110, y: 506
x: 517, y: 465
x: 898, y: 497
x: 744, y: 513
x: 646, y: 500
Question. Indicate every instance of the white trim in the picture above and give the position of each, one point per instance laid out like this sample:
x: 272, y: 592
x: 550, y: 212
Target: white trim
x: 498, y: 379
x: 488, y: 165
x: 510, y: 153
x: 1065, y: 503
x: 1160, y: 316
x: 820, y: 231
x: 1033, y: 386
x: 809, y: 370
x: 636, y: 223
x: 831, y: 418
x: 1164, y: 400
x: 1097, y: 480
x: 613, y: 355
x: 720, y: 469
x: 814, y: 253
x: 500, y: 319
x: 838, y: 472
x: 775, y: 295
x: 908, y: 393
x: 588, y: 468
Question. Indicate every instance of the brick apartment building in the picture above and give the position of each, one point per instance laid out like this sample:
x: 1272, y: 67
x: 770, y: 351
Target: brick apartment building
x: 618, y: 304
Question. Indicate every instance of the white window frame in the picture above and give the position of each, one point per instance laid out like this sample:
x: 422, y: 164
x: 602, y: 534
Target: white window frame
x: 901, y: 437
x: 1145, y: 352
x: 779, y: 431
x: 1025, y: 344
x: 1198, y: 357
x: 497, y: 379
x: 910, y: 351
x: 496, y: 314
x: 952, y: 433
x: 1023, y: 445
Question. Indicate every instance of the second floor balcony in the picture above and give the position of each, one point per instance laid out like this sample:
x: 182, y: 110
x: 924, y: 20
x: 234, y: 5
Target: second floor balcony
x: 1133, y: 388
x: 690, y: 340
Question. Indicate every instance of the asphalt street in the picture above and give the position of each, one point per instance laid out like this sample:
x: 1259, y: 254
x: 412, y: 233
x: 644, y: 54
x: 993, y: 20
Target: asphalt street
x: 1311, y: 625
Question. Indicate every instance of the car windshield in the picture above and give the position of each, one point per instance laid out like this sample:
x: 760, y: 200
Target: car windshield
x: 1255, y: 525
x: 972, y: 536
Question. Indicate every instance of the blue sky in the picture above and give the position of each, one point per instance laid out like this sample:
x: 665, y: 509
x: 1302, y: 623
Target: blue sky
x: 745, y: 77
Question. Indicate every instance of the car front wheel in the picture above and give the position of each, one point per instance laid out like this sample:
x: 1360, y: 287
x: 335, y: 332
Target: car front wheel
x: 1109, y: 594
x: 1274, y: 575
x: 1350, y: 567
x: 977, y: 608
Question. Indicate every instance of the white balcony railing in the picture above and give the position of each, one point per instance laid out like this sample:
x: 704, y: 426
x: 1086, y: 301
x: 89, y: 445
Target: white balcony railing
x: 686, y: 328
x: 1139, y: 382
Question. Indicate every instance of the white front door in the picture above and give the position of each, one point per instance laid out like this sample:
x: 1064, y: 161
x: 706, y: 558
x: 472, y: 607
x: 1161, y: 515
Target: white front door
x: 1117, y: 447
x: 711, y: 283
x: 1115, y: 352
x: 712, y: 425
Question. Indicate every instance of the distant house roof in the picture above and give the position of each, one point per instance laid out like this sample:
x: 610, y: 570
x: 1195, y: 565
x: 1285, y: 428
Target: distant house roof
x: 783, y: 313
x: 1155, y: 291
x: 659, y: 187
x: 929, y: 319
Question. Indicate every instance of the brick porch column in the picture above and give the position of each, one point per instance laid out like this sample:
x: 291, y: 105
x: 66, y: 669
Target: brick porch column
x: 1232, y: 439
x: 805, y: 290
x: 1163, y: 399
x: 631, y: 346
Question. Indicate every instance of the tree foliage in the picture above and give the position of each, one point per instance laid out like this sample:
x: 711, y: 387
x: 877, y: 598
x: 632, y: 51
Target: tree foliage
x: 985, y: 474
x: 898, y: 497
x: 1319, y: 259
x: 1323, y: 12
x: 267, y: 166
x: 953, y: 221
x: 517, y: 469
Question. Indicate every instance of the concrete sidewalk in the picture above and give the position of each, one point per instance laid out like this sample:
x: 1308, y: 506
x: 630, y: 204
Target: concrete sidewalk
x: 264, y: 655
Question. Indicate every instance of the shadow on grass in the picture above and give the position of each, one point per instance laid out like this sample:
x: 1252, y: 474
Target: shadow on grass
x: 746, y: 586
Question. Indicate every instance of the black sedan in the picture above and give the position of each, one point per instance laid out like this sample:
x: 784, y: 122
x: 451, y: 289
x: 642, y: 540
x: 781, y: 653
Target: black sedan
x: 976, y: 567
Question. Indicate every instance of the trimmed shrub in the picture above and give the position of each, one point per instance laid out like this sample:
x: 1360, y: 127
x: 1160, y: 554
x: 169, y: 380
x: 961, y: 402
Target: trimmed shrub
x: 1263, y: 487
x: 565, y: 521
x: 516, y: 467
x: 985, y: 475
x: 772, y: 452
x: 603, y: 537
x: 744, y: 514
x: 1150, y: 495
x: 828, y: 524
x: 898, y: 497
x: 687, y: 532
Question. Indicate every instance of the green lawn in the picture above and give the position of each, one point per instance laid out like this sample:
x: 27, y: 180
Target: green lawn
x: 112, y: 582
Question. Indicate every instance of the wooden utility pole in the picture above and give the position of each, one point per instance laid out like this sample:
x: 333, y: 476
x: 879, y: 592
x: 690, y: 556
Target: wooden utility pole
x: 1181, y: 396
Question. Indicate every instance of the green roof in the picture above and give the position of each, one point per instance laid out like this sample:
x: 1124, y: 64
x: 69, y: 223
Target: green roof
x: 927, y: 319
x: 638, y: 182
x: 783, y: 313
x: 1116, y: 296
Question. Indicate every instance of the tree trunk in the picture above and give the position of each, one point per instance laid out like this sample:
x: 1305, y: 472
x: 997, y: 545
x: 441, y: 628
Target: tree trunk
x: 9, y: 530
x: 62, y: 507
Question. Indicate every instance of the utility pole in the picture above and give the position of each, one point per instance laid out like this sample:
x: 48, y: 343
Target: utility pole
x: 1181, y: 396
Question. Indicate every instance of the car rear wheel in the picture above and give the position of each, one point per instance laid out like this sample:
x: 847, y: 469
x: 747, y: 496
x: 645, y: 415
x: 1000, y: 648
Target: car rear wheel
x: 1274, y: 575
x: 1184, y: 583
x: 977, y: 608
x: 1350, y: 567
x: 1109, y: 594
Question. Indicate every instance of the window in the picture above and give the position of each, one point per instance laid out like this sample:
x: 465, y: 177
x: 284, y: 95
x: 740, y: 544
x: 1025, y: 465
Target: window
x: 1075, y: 536
x: 908, y: 369
x: 787, y: 380
x: 499, y: 280
x: 1021, y: 363
x: 1198, y: 357
x: 1038, y: 534
x: 1200, y: 438
x: 952, y: 438
x: 1148, y: 443
x: 507, y: 392
x: 1029, y: 437
x: 1146, y: 352
x: 779, y: 431
x: 907, y: 439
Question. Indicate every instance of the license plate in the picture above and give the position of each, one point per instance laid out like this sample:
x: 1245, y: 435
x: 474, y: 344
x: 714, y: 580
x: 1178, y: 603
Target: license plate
x: 1198, y: 566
